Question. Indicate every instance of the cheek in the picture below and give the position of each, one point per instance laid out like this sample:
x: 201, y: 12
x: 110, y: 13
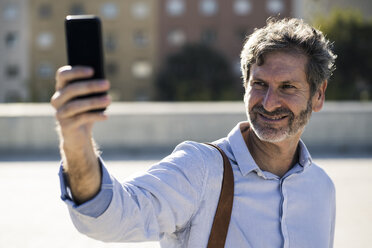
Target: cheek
x: 251, y: 98
x: 297, y: 104
x: 300, y: 97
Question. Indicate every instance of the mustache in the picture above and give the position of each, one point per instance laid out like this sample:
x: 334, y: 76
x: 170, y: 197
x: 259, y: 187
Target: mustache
x: 279, y: 111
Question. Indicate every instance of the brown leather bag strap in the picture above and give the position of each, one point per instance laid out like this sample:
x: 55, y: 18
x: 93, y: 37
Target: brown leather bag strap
x: 221, y: 221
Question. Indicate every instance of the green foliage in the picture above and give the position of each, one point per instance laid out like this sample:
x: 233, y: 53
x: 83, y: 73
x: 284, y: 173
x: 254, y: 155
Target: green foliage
x: 197, y: 73
x: 352, y: 37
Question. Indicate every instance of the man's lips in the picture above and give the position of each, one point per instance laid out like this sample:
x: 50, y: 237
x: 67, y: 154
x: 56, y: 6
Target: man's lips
x: 269, y: 118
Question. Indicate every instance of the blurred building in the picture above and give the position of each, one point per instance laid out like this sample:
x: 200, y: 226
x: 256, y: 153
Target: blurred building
x: 138, y: 36
x: 129, y: 35
x: 14, y: 50
x: 311, y: 9
x: 218, y: 23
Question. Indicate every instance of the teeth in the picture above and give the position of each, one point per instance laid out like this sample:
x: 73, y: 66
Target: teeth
x: 274, y: 118
x: 277, y: 118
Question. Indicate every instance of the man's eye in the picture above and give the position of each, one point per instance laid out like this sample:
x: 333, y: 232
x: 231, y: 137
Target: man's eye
x: 259, y: 84
x: 288, y: 86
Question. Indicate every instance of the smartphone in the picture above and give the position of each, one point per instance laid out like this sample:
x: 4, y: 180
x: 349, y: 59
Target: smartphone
x: 84, y: 46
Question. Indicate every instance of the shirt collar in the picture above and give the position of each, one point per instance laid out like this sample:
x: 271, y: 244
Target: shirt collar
x: 244, y: 159
x: 240, y: 151
x: 305, y: 159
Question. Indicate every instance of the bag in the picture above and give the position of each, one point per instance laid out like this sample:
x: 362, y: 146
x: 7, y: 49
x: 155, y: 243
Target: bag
x: 221, y: 221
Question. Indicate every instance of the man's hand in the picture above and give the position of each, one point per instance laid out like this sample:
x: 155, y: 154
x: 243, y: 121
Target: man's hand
x: 75, y: 124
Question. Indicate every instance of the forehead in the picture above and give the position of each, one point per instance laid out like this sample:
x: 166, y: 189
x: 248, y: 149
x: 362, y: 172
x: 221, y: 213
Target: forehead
x: 281, y: 66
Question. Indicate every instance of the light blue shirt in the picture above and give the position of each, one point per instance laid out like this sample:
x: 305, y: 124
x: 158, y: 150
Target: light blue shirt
x: 176, y: 199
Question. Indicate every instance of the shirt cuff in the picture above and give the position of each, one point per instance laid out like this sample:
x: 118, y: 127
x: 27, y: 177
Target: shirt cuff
x: 95, y: 206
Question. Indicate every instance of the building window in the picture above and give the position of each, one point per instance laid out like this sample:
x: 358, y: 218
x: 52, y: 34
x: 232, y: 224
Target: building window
x: 140, y: 10
x: 112, y: 68
x: 45, y: 70
x: 175, y: 7
x: 11, y: 39
x: 10, y: 12
x: 176, y: 37
x: 12, y: 71
x: 140, y: 39
x: 275, y: 6
x: 242, y: 7
x: 208, y: 7
x: 45, y: 11
x: 141, y: 69
x: 209, y: 36
x: 110, y: 43
x: 109, y: 10
x: 77, y: 9
x: 45, y: 40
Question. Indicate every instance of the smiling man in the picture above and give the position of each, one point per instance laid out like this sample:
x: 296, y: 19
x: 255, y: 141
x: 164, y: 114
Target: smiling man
x: 279, y: 104
x: 281, y: 198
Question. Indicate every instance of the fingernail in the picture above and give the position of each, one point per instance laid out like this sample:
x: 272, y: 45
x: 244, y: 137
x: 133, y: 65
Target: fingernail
x: 88, y: 70
x: 103, y: 82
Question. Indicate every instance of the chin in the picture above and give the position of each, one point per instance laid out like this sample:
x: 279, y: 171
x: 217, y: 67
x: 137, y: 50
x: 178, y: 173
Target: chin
x: 270, y: 136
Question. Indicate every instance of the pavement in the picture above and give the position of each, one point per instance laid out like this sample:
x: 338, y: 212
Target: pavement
x: 32, y: 214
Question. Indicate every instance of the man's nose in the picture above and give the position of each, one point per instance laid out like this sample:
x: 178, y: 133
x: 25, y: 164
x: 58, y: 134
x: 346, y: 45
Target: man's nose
x: 271, y: 100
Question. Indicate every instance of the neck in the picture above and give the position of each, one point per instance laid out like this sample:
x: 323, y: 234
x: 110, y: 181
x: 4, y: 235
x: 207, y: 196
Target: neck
x: 277, y: 158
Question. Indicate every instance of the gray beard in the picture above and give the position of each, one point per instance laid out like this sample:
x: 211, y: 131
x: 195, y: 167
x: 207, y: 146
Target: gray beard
x: 271, y: 134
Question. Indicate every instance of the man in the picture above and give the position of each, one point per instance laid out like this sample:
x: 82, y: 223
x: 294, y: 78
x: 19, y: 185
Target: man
x: 281, y: 198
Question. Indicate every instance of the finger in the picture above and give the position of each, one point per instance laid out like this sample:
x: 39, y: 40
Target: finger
x: 78, y: 106
x: 67, y: 73
x: 72, y: 91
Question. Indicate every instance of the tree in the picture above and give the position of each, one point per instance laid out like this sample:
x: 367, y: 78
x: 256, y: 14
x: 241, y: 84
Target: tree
x: 352, y: 36
x: 197, y: 73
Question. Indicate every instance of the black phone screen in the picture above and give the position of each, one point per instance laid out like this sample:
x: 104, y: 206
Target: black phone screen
x: 84, y: 46
x: 84, y: 43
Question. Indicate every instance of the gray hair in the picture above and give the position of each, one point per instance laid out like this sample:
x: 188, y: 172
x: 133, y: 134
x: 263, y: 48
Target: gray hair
x: 292, y: 35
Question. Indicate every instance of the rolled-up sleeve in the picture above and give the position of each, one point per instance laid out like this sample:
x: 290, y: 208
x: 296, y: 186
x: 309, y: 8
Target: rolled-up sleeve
x: 97, y: 205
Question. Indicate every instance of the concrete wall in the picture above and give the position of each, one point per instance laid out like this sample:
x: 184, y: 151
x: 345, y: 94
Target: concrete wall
x: 29, y: 128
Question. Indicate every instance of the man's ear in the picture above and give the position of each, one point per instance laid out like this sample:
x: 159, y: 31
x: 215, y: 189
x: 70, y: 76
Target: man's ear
x: 319, y: 97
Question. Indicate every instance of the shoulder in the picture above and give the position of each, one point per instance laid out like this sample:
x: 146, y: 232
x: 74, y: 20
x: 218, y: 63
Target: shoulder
x: 190, y: 159
x: 321, y: 177
x: 190, y: 154
x: 200, y: 163
x: 197, y: 158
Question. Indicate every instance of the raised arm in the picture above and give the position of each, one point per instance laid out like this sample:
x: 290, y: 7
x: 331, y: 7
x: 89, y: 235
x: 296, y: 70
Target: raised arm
x: 74, y: 125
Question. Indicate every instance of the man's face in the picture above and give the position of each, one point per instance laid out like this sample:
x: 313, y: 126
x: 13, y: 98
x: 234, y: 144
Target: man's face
x: 277, y: 97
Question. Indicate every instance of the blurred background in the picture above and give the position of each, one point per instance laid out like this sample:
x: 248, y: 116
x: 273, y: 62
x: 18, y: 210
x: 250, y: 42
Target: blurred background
x: 172, y: 61
x: 175, y: 75
x: 147, y: 41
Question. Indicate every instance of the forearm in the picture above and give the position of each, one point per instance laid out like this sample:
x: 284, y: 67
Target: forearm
x: 82, y: 169
x: 75, y: 120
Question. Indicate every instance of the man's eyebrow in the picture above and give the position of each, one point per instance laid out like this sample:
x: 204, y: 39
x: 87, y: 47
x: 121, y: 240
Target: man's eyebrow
x: 258, y: 79
x: 287, y: 82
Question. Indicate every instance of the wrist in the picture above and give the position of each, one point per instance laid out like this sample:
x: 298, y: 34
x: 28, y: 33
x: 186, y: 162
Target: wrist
x: 82, y: 168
